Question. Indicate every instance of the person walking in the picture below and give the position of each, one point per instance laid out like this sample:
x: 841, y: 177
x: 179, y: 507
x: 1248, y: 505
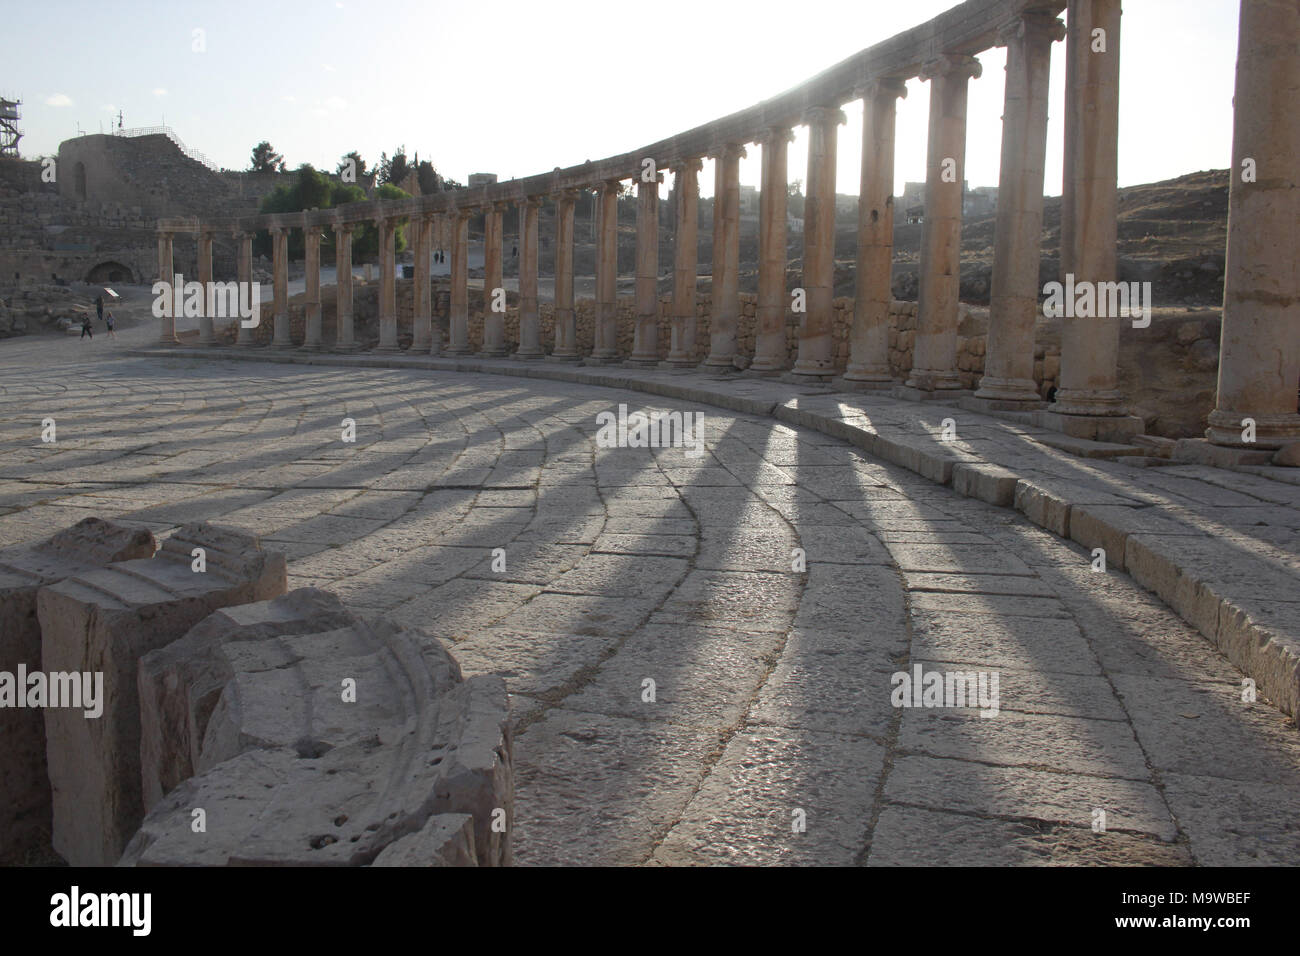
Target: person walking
x: 99, y: 307
x: 86, y: 327
x: 109, y: 322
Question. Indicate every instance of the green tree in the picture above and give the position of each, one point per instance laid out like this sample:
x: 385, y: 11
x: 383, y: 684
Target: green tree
x: 266, y: 159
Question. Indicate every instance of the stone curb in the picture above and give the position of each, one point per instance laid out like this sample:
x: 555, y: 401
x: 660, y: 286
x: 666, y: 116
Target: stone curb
x: 1266, y: 651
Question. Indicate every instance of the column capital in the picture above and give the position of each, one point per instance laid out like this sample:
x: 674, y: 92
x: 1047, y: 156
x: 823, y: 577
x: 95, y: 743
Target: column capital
x: 567, y: 196
x: 529, y: 202
x: 1032, y: 25
x: 343, y: 227
x: 165, y: 234
x: 775, y: 134
x: 881, y: 87
x: 278, y: 230
x: 499, y: 205
x: 727, y: 152
x: 959, y: 66
x: 695, y: 164
x: 240, y: 234
x: 831, y: 115
x: 607, y: 186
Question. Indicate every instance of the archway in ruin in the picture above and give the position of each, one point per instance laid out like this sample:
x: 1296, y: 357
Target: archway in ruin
x: 110, y: 272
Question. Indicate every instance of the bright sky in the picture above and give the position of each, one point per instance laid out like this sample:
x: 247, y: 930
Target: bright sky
x: 518, y: 87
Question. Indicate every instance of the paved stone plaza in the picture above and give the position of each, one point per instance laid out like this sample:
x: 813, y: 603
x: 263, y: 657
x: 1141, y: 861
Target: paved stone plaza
x: 772, y: 687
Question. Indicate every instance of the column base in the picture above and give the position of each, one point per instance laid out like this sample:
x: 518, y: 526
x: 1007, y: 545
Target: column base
x: 602, y: 358
x: 846, y: 384
x: 641, y: 361
x: 1272, y: 431
x: 563, y: 357
x: 494, y: 352
x: 1092, y: 403
x: 931, y: 380
x: 529, y: 355
x: 989, y: 405
x: 678, y: 363
x: 313, y: 347
x: 910, y: 393
x: 388, y: 349
x: 1198, y: 451
x: 795, y: 377
x: 457, y: 351
x: 1117, y: 429
x: 346, y: 347
x: 718, y: 361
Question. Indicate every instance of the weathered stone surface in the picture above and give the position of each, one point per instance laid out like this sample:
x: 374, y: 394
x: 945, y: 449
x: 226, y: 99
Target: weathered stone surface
x: 446, y: 840
x: 105, y: 620
x: 24, y: 783
x: 319, y: 739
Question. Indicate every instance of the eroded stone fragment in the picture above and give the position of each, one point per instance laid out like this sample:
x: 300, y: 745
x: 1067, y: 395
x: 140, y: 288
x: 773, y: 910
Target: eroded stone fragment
x: 104, y: 621
x: 24, y: 782
x: 322, y: 748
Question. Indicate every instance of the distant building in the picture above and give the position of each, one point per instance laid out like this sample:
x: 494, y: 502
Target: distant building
x: 482, y: 179
x: 980, y: 201
x: 749, y: 200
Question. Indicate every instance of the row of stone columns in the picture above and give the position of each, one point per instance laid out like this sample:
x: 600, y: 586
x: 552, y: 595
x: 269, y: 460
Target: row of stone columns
x: 1260, y: 314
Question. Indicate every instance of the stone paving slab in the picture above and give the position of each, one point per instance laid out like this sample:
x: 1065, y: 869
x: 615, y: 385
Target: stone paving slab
x: 789, y: 689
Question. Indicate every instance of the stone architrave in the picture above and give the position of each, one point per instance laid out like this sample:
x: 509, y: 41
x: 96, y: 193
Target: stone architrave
x: 934, y: 363
x: 387, y: 285
x: 91, y: 543
x: 869, y: 338
x: 312, y: 339
x: 494, y: 322
x: 280, y: 270
x: 566, y: 332
x: 246, y: 335
x: 605, y: 349
x: 645, y: 338
x: 166, y: 275
x: 1259, y: 357
x: 345, y: 336
x: 530, y: 324
x: 816, y: 341
x: 686, y: 217
x: 458, y: 320
x: 773, y: 306
x: 1013, y: 305
x: 104, y: 621
x: 318, y: 739
x: 724, y: 316
x: 207, y: 335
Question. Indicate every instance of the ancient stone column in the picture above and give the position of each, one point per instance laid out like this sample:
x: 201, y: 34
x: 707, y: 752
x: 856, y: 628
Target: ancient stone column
x: 280, y: 267
x: 686, y: 196
x: 1259, y: 352
x: 869, y: 338
x: 494, y: 323
x: 166, y: 275
x: 244, y: 268
x: 816, y: 343
x: 387, y: 285
x: 344, y: 330
x: 1013, y: 304
x: 422, y: 299
x: 458, y: 321
x: 312, y: 335
x: 566, y: 334
x: 530, y: 322
x: 934, y: 362
x: 769, y: 337
x: 724, y: 312
x: 606, y: 338
x: 206, y: 334
x: 1090, y: 346
x: 645, y: 339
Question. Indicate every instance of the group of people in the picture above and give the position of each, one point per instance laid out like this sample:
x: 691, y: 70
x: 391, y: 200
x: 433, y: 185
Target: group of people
x: 87, y: 329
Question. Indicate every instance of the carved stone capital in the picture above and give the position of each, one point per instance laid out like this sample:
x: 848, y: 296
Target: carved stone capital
x: 1031, y: 26
x: 774, y: 135
x: 824, y: 115
x: 728, y: 152
x: 881, y: 87
x: 682, y: 165
x: 956, y: 66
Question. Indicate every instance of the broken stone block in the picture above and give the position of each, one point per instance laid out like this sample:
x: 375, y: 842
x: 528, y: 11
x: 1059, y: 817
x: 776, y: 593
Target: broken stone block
x: 446, y: 840
x: 103, y: 621
x: 323, y: 748
x: 24, y: 782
